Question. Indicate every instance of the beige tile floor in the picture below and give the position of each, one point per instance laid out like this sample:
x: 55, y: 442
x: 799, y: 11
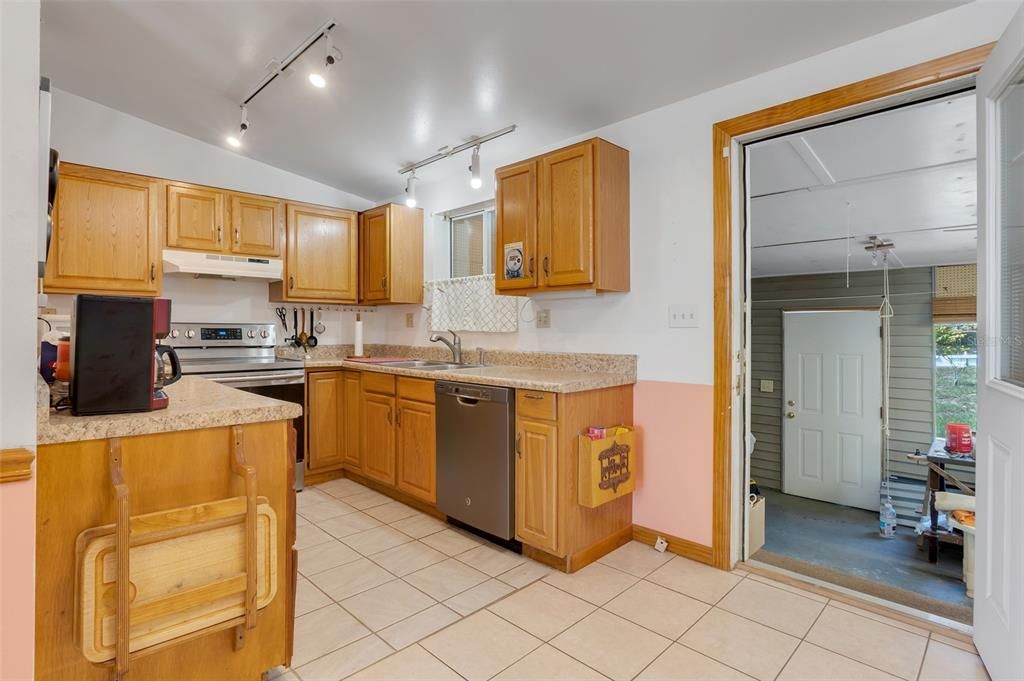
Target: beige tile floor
x: 389, y: 593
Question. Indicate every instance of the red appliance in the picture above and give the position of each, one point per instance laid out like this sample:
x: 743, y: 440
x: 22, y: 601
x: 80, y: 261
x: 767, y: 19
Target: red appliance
x: 959, y: 439
x: 117, y: 360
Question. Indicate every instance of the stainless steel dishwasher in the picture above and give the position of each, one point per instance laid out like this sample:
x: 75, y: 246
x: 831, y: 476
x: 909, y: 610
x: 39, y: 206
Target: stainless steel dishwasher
x: 475, y: 476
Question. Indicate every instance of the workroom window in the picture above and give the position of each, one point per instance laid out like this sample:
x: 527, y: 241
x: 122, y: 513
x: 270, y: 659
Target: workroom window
x: 472, y: 243
x: 956, y: 375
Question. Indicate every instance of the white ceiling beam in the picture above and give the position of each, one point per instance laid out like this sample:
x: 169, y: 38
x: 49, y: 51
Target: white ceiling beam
x: 811, y: 159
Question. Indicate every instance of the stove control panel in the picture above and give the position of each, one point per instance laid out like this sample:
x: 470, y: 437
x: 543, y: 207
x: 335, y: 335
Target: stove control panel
x: 200, y: 335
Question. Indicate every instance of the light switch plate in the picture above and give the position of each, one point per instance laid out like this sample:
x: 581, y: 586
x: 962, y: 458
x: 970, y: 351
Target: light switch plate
x: 544, y: 319
x: 767, y: 386
x: 410, y: 320
x: 682, y: 316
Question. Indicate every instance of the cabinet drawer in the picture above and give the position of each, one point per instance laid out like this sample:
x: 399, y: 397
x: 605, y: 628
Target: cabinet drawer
x: 536, y: 404
x: 419, y: 389
x: 378, y: 383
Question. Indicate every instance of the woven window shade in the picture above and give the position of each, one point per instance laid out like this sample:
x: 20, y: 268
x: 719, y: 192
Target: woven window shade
x: 470, y: 304
x: 955, y: 294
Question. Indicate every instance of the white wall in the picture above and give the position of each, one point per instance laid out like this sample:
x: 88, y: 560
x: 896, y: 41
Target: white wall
x: 92, y: 134
x: 19, y: 227
x: 671, y: 201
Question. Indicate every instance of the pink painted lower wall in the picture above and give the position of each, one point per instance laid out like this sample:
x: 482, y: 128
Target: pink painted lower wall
x: 674, y: 437
x: 17, y: 579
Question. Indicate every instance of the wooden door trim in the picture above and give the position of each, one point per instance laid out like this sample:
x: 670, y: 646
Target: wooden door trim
x: 723, y: 134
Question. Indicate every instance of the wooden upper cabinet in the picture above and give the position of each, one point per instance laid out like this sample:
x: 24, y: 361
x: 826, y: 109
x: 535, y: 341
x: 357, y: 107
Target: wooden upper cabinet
x: 417, y: 449
x: 195, y: 217
x: 570, y: 210
x: 106, y: 233
x: 321, y: 256
x: 325, y: 397
x: 375, y: 232
x: 516, y: 236
x: 566, y: 225
x: 257, y: 225
x: 391, y: 238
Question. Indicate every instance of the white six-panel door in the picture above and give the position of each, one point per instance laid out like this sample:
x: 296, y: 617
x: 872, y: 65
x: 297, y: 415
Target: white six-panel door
x: 832, y: 396
x: 999, y: 569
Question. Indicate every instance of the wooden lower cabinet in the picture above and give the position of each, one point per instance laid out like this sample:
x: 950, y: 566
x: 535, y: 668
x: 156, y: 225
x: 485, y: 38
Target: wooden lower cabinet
x: 325, y: 416
x: 537, y: 483
x: 377, y: 429
x: 352, y: 454
x: 417, y: 449
x: 550, y: 522
x: 162, y: 471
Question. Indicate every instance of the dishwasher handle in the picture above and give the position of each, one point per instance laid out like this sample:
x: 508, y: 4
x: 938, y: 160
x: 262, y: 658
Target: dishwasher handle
x: 469, y: 394
x: 467, y: 401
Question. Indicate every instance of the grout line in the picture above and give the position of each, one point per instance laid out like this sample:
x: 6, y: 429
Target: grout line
x: 428, y: 652
x: 295, y: 671
x: 927, y: 636
x: 800, y: 642
x: 920, y: 666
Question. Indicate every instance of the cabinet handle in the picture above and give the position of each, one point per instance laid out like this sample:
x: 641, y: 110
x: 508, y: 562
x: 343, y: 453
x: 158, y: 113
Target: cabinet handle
x: 238, y: 236
x: 220, y: 233
x: 152, y: 271
x: 384, y: 282
x: 389, y: 416
x: 533, y: 397
x: 531, y: 266
x: 546, y: 273
x: 519, y: 445
x: 291, y: 281
x: 398, y: 417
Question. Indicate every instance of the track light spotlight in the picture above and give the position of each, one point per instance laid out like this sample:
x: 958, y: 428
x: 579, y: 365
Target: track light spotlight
x: 332, y: 55
x: 410, y: 190
x: 475, y: 181
x: 236, y: 141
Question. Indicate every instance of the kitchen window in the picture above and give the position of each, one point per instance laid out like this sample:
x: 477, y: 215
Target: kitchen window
x: 1010, y: 231
x: 472, y: 241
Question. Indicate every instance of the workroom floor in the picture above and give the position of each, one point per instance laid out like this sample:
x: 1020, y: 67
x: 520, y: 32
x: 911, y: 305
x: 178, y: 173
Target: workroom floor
x: 840, y: 544
x: 386, y: 592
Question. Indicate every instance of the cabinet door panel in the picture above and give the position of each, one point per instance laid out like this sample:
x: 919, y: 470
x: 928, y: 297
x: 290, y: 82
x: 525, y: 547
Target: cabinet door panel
x: 378, y: 437
x: 351, y: 388
x: 195, y: 218
x: 257, y: 225
x: 516, y: 215
x: 567, y: 216
x: 537, y: 484
x: 376, y: 233
x: 105, y: 233
x: 325, y: 409
x: 322, y: 256
x: 417, y: 458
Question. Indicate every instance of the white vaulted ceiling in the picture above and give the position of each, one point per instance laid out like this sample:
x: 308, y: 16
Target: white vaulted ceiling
x: 907, y: 175
x: 418, y: 75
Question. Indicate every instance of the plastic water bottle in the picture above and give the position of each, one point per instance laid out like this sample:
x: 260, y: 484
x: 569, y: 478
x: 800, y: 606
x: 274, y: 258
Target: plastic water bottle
x: 887, y: 520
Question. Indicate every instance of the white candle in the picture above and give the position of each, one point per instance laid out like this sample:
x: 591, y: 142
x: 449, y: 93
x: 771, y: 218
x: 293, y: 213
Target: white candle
x: 358, y: 352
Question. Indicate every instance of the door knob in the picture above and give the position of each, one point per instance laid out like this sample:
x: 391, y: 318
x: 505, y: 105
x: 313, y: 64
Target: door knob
x: 791, y: 403
x: 790, y: 414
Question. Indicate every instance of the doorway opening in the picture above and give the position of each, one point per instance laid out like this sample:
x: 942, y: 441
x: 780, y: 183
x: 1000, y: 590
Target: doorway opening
x: 862, y: 243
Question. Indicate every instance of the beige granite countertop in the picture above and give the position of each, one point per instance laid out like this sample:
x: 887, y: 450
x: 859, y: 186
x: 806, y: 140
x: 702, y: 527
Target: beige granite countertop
x: 528, y: 378
x: 195, y: 403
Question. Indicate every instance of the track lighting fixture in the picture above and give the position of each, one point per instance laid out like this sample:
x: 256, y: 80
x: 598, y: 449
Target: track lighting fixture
x: 410, y: 190
x: 475, y: 180
x: 236, y: 141
x: 332, y: 55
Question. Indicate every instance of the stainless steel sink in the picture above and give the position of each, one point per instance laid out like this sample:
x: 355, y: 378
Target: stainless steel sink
x: 428, y: 365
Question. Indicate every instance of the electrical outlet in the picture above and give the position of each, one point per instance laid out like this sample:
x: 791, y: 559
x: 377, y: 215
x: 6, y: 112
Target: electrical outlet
x: 682, y: 316
x: 543, y: 319
x: 660, y: 545
x: 410, y: 320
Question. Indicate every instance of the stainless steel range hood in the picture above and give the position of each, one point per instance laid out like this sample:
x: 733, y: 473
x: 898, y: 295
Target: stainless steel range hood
x: 191, y: 263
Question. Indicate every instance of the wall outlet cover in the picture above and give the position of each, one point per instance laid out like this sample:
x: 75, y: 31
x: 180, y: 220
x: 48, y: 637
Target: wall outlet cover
x: 682, y: 316
x: 660, y: 545
x: 544, y: 319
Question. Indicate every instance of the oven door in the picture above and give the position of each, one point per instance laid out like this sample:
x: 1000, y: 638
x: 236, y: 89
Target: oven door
x: 286, y: 386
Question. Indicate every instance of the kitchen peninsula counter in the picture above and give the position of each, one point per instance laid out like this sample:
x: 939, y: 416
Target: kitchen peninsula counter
x: 195, y: 403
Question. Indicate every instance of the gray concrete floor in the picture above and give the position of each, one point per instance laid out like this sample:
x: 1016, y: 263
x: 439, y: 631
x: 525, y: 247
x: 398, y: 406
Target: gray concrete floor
x: 846, y: 539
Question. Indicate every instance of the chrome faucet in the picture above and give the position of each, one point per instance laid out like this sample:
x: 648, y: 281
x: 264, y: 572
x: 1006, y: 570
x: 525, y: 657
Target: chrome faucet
x: 455, y: 345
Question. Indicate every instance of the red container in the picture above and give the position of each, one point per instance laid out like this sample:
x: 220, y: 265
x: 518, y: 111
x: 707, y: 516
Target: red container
x: 958, y: 438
